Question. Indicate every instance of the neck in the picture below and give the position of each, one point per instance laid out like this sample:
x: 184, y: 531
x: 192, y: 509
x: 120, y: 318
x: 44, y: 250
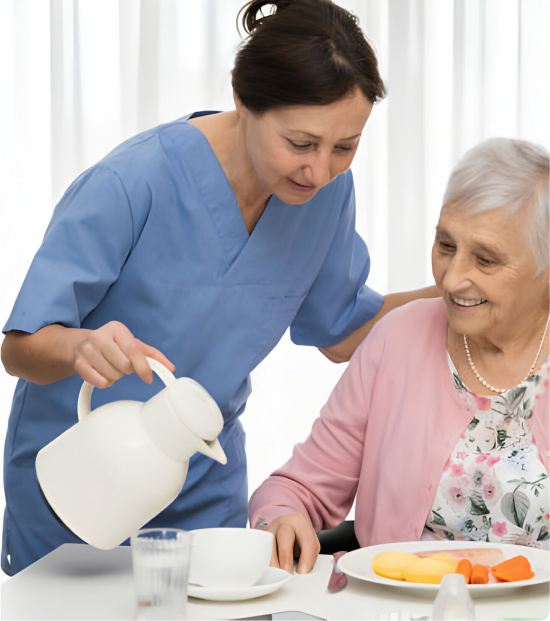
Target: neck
x: 226, y: 134
x: 514, y: 338
x: 502, y: 361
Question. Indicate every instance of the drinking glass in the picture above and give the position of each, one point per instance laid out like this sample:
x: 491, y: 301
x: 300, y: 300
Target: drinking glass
x: 161, y: 572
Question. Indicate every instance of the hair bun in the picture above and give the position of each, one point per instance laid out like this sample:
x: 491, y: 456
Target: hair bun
x: 254, y: 14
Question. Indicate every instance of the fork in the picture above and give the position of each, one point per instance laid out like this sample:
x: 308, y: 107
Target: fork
x: 337, y: 578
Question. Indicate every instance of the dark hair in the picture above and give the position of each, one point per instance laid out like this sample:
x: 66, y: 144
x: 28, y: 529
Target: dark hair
x: 308, y: 52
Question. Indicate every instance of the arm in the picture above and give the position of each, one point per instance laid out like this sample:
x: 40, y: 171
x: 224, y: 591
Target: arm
x: 316, y: 487
x: 89, y: 239
x: 100, y: 356
x: 343, y: 351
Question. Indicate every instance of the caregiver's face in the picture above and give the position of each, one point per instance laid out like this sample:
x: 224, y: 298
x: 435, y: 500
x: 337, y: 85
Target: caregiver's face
x: 295, y: 151
x: 484, y: 269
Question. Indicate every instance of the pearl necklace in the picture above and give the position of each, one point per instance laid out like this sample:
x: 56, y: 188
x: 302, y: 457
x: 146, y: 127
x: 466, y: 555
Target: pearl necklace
x: 505, y: 389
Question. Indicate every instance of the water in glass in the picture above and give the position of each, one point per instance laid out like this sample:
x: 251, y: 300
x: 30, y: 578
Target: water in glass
x: 161, y: 572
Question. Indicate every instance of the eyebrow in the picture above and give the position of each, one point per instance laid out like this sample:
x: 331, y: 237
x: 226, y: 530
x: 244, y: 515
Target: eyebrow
x: 301, y: 131
x: 442, y: 232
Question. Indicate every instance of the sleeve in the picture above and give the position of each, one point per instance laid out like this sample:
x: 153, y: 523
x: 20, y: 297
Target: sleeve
x: 86, y: 244
x: 321, y: 477
x: 339, y: 302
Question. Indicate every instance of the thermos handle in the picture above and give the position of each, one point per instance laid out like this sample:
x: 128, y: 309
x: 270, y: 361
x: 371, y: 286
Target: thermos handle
x: 85, y: 396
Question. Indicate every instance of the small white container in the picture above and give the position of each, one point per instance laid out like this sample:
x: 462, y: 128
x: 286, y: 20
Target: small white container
x: 453, y: 600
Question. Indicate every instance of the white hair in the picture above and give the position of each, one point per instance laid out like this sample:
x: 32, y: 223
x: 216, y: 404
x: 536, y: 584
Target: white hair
x: 502, y: 172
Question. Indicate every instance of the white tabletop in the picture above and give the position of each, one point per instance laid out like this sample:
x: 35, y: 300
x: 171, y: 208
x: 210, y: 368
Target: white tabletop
x: 80, y: 582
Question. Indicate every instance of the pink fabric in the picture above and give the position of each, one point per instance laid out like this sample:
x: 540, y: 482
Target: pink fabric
x: 385, y: 434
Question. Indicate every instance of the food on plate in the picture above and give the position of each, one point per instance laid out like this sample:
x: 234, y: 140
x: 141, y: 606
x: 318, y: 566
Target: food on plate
x: 480, y: 574
x: 430, y: 567
x: 513, y: 570
x: 409, y: 567
x: 392, y: 564
x: 465, y: 568
x: 444, y: 557
x: 429, y: 570
x: 485, y: 556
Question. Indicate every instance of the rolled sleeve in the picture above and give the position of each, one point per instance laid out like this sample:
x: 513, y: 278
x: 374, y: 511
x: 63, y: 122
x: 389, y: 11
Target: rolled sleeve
x: 87, y: 242
x: 339, y: 302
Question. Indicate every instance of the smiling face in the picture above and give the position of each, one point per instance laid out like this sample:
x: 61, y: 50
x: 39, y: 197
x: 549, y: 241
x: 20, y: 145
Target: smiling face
x: 484, y: 269
x: 295, y: 151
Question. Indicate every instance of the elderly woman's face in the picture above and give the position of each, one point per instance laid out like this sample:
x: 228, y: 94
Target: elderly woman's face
x: 484, y: 269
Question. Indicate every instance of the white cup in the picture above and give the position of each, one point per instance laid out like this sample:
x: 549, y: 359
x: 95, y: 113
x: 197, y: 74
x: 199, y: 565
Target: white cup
x: 229, y: 557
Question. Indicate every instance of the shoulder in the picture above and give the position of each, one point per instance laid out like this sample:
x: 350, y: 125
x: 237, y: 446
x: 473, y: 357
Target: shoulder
x: 148, y: 147
x: 420, y: 324
x: 418, y: 315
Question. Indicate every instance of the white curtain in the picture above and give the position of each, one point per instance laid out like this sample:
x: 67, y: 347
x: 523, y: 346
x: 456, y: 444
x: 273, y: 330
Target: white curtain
x: 79, y: 76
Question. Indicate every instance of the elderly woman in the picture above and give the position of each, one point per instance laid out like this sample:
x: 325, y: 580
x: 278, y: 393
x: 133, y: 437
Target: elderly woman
x: 440, y: 425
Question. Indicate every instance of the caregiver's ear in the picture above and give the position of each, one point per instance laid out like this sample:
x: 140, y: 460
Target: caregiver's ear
x: 242, y: 110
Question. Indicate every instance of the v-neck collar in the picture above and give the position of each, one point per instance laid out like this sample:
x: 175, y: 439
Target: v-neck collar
x: 220, y: 199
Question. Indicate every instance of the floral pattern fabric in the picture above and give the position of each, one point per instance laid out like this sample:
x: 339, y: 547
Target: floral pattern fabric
x: 494, y: 485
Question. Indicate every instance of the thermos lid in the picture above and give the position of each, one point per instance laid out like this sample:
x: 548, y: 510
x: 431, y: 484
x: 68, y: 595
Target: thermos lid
x: 195, y: 408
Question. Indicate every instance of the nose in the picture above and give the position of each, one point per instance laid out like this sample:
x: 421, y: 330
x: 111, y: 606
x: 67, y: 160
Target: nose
x: 457, y: 275
x: 317, y: 172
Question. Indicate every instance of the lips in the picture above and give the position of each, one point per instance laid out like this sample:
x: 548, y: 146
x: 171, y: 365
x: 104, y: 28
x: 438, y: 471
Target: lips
x: 467, y: 302
x: 299, y: 186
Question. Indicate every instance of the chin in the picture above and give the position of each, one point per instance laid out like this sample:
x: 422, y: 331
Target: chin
x: 291, y: 198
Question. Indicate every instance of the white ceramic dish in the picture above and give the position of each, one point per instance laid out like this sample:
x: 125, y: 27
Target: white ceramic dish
x: 358, y: 564
x: 272, y: 580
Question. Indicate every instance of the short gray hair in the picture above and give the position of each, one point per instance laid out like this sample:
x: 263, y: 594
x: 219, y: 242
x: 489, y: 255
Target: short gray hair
x: 502, y: 172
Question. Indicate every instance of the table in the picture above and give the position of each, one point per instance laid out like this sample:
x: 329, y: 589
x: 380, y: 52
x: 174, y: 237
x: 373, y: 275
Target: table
x: 81, y: 582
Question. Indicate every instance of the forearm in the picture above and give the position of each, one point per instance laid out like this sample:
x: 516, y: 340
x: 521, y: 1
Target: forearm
x: 344, y: 350
x: 43, y: 357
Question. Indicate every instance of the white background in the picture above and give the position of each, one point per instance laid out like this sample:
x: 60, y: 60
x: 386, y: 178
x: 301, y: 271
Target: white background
x: 79, y: 76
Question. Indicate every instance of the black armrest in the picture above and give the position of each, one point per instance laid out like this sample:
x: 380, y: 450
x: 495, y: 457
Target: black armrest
x: 339, y: 539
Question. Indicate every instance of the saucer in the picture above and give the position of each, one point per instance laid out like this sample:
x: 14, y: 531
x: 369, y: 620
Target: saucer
x: 272, y: 580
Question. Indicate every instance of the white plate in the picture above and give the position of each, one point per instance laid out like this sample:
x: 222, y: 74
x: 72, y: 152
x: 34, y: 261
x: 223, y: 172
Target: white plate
x: 272, y: 580
x: 358, y: 564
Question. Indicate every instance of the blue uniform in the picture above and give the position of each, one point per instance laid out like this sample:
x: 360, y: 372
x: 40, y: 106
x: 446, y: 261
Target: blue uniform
x: 152, y: 236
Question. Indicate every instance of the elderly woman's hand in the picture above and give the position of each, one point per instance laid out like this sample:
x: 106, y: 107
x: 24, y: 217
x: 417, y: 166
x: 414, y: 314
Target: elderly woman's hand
x: 294, y: 536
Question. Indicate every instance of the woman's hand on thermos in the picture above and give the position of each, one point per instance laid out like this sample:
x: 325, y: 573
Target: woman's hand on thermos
x: 100, y: 356
x: 104, y: 355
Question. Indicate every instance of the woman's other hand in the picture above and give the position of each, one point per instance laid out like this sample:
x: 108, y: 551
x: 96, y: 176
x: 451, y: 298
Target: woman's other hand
x: 100, y: 357
x: 104, y: 355
x: 294, y: 537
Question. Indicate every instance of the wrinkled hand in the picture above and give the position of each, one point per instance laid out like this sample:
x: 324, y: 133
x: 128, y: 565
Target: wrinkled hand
x: 294, y: 536
x: 104, y: 355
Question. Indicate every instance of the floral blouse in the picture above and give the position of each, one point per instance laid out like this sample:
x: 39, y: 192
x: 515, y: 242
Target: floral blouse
x: 494, y: 485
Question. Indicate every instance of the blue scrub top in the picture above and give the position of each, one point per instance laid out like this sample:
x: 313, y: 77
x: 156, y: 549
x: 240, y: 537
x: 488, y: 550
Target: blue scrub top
x: 152, y: 236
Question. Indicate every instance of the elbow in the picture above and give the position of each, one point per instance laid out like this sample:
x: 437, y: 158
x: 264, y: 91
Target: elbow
x: 5, y: 355
x: 336, y: 354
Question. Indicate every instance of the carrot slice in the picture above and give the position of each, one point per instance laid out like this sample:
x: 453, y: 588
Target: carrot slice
x: 465, y: 568
x: 480, y: 574
x: 513, y: 570
x: 516, y: 561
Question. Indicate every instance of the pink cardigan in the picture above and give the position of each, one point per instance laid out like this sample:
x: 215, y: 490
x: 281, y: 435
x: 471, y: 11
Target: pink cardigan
x: 385, y: 434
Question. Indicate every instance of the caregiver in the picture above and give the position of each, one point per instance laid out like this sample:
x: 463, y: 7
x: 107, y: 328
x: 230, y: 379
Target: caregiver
x: 203, y: 239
